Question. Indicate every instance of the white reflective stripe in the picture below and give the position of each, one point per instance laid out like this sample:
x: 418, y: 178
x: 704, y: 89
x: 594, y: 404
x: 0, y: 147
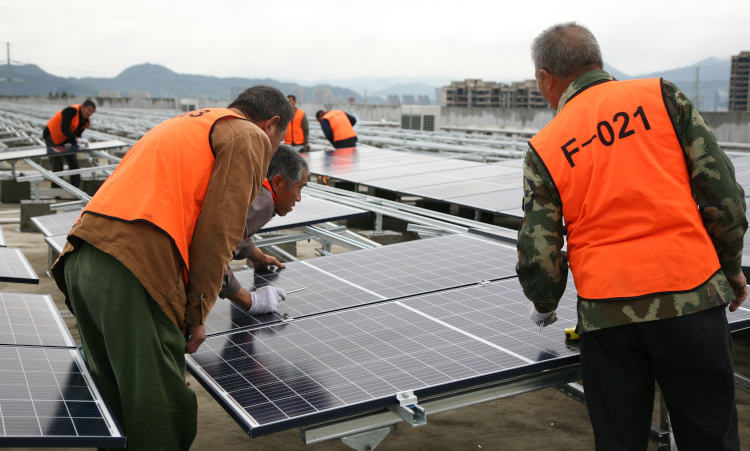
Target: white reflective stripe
x: 500, y: 348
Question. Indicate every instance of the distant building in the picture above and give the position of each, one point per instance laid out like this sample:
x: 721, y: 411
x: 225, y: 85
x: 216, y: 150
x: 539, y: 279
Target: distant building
x: 234, y: 92
x: 423, y: 100
x: 139, y: 94
x: 487, y: 94
x: 298, y: 93
x: 110, y: 94
x: 392, y: 100
x: 738, y: 82
x: 322, y: 94
x: 408, y: 100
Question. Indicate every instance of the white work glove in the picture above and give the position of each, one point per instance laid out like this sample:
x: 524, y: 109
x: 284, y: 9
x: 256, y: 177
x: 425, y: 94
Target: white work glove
x: 82, y: 142
x: 541, y: 319
x: 266, y: 300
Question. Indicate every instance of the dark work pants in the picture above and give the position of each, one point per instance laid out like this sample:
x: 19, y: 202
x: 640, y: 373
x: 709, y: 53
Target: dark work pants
x: 57, y: 164
x: 344, y: 143
x: 691, y: 359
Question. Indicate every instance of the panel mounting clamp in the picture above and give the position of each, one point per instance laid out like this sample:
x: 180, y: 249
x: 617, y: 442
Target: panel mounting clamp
x: 408, y: 409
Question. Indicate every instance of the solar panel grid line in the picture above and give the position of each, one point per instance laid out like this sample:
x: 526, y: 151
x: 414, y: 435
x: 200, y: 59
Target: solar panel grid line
x: 48, y: 399
x: 344, y: 280
x: 56, y: 224
x: 32, y: 320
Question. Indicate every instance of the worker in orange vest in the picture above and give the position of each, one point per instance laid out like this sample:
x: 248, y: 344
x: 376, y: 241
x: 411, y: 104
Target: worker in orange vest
x: 298, y: 130
x: 282, y: 189
x: 655, y: 223
x: 66, y: 128
x: 338, y: 127
x: 144, y: 264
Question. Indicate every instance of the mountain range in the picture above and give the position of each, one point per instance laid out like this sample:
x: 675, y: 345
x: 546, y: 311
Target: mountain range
x: 163, y: 82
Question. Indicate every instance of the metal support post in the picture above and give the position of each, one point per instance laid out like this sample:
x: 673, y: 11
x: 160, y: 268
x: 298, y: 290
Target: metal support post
x: 368, y: 440
x: 36, y: 192
x: 378, y: 222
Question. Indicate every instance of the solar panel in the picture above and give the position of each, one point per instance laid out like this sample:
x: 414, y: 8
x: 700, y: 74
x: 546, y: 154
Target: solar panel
x: 312, y: 211
x: 59, y: 150
x: 283, y: 376
x: 15, y: 268
x: 493, y: 202
x: 56, y: 224
x: 32, y: 320
x: 47, y: 398
x: 413, y: 181
x: 57, y: 242
x: 452, y: 190
x: 372, y: 275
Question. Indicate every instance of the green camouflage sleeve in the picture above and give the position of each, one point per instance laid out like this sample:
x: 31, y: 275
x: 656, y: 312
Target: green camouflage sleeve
x: 542, y: 268
x: 720, y: 198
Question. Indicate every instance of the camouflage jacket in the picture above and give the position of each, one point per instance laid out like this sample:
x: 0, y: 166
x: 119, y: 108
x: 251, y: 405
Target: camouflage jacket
x: 543, y: 268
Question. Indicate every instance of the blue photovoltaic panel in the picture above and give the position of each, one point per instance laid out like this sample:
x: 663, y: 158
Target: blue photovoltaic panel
x: 292, y: 374
x: 15, y: 268
x: 57, y: 224
x: 372, y: 275
x: 32, y: 320
x: 47, y: 398
x: 311, y: 210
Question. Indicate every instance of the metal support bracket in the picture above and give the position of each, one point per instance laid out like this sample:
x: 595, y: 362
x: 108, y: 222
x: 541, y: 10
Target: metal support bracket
x: 378, y: 222
x: 368, y: 440
x: 742, y: 382
x: 409, y: 410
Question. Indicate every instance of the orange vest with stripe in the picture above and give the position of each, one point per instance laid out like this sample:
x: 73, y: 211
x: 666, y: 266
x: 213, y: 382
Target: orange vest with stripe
x: 634, y: 229
x: 342, y: 128
x: 295, y: 136
x: 164, y: 177
x: 55, y: 125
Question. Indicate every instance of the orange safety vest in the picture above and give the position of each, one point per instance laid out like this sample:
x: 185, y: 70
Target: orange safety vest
x: 164, y: 177
x: 342, y: 128
x: 295, y: 136
x: 55, y: 125
x: 634, y: 229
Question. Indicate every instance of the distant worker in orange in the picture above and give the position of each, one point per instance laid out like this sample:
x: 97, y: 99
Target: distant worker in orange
x: 66, y: 127
x: 298, y: 131
x: 338, y: 126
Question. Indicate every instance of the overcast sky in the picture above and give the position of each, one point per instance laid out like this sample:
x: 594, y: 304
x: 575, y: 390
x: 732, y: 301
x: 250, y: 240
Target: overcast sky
x: 334, y: 39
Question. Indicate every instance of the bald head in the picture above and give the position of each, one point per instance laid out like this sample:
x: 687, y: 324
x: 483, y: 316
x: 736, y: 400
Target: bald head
x: 566, y: 50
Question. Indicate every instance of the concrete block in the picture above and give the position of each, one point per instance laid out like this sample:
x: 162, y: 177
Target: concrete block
x: 12, y: 191
x: 385, y: 238
x: 30, y: 209
x: 90, y: 187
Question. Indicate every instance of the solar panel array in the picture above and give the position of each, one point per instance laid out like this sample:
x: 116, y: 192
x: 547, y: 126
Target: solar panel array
x: 495, y: 188
x: 367, y: 276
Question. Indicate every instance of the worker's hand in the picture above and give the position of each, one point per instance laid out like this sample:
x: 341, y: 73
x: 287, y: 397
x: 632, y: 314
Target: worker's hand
x: 82, y: 141
x: 243, y: 299
x: 196, y: 336
x: 260, y: 259
x: 739, y: 286
x: 306, y: 148
x: 541, y: 319
x: 266, y: 300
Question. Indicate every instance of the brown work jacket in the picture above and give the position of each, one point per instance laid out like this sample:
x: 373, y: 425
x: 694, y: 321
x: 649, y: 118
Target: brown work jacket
x: 241, y: 148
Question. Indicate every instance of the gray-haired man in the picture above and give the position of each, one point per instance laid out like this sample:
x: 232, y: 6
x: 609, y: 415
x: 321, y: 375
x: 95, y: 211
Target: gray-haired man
x: 624, y: 163
x: 287, y: 175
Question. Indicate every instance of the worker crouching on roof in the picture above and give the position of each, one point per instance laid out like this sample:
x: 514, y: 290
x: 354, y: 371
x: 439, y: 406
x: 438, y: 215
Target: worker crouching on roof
x: 338, y: 127
x: 144, y: 264
x: 66, y: 127
x: 298, y: 132
x: 282, y: 188
x: 624, y: 163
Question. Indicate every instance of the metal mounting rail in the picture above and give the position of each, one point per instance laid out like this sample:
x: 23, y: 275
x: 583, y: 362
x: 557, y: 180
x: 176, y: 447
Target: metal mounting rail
x: 60, y: 182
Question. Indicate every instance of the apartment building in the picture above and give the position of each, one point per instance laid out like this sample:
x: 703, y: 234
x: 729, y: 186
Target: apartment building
x: 474, y: 92
x: 738, y: 82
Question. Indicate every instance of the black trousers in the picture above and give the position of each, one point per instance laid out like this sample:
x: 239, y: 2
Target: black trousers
x: 58, y: 164
x: 691, y: 359
x: 344, y: 143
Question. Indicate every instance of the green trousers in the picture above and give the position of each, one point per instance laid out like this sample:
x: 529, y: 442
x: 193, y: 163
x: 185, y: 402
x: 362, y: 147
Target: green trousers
x: 134, y: 352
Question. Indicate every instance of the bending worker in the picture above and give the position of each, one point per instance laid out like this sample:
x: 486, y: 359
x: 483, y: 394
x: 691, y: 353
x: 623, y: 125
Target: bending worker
x: 144, y: 263
x: 298, y: 131
x: 282, y: 188
x: 623, y: 164
x: 66, y: 127
x: 338, y: 127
